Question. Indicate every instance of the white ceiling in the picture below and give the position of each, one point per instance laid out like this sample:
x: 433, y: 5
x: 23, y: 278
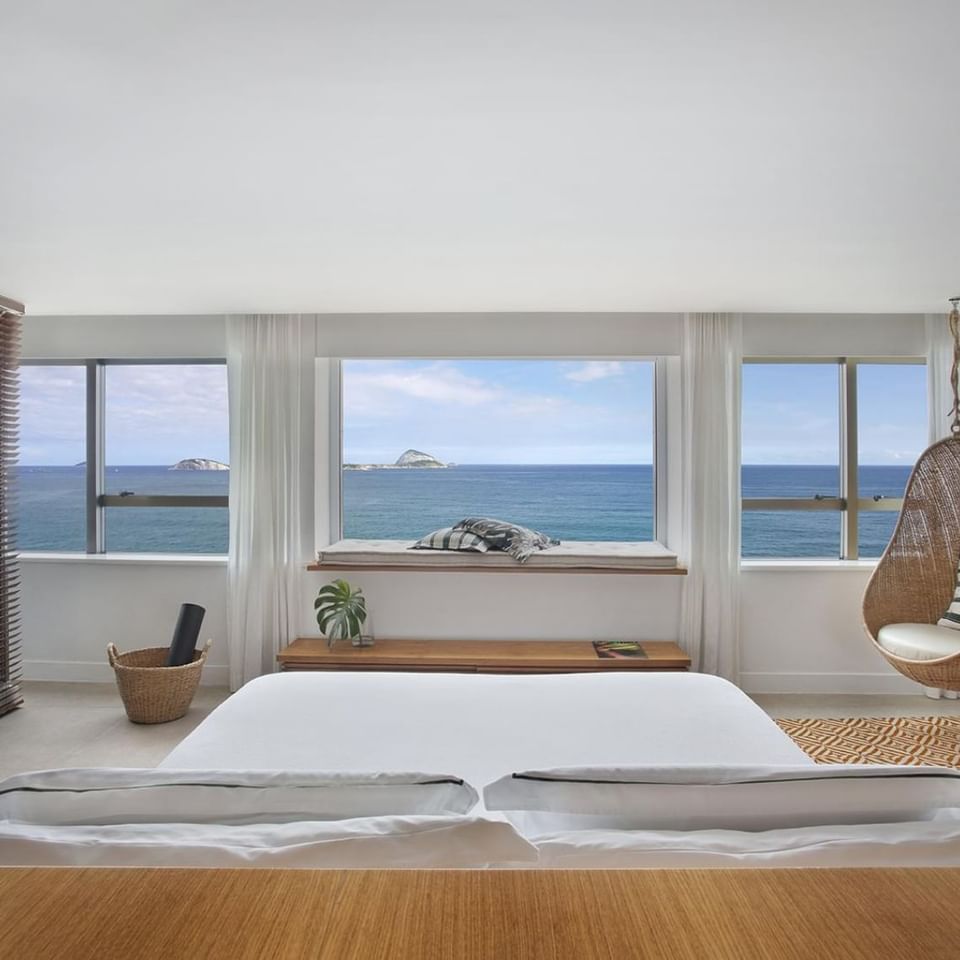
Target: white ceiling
x: 165, y: 156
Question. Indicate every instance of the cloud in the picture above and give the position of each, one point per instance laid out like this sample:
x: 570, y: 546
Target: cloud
x: 155, y: 413
x: 489, y: 411
x: 161, y: 413
x: 369, y: 392
x: 596, y: 370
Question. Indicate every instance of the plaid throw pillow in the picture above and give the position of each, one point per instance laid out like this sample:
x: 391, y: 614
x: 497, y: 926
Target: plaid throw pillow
x: 517, y: 541
x: 451, y: 539
x: 952, y: 616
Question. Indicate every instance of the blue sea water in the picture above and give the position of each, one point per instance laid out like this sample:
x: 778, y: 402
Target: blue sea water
x: 570, y: 502
x: 52, y: 513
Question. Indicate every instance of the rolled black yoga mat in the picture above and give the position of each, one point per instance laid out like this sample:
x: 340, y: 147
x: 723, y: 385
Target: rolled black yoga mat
x: 185, y: 635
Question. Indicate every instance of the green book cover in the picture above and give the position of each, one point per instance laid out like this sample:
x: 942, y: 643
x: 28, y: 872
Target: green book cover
x: 619, y: 650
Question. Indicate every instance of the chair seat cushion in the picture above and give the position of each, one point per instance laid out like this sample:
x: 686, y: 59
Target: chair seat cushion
x: 919, y: 641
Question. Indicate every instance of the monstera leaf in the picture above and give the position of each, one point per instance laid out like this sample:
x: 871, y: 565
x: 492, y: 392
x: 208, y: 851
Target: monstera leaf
x: 341, y: 611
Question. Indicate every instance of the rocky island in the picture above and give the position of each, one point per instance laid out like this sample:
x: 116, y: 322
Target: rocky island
x: 408, y: 460
x: 197, y: 463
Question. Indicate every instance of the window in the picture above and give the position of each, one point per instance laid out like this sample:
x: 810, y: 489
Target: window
x: 156, y: 438
x: 892, y: 433
x: 566, y: 447
x: 827, y: 448
x: 52, y: 476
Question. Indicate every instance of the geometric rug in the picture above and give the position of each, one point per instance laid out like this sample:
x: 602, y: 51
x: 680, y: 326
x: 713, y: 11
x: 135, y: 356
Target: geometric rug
x: 901, y: 740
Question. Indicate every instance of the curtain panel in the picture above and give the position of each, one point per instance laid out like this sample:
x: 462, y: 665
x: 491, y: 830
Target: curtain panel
x: 264, y: 377
x: 711, y: 359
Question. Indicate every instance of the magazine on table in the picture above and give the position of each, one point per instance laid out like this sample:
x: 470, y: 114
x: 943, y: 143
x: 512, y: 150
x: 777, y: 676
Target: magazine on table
x: 619, y: 650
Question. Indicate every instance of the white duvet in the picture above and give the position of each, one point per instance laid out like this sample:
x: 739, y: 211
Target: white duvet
x: 483, y: 726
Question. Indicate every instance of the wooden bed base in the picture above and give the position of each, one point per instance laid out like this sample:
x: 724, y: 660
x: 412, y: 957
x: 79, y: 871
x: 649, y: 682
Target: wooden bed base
x: 121, y: 914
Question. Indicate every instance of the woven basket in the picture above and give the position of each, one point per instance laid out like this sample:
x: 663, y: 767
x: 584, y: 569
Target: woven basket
x: 151, y: 692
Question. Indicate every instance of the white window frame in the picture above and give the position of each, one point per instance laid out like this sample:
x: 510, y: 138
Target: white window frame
x: 848, y: 502
x: 664, y: 439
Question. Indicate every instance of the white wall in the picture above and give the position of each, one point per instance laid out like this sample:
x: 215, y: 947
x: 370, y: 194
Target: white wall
x: 132, y: 338
x: 74, y: 608
x: 801, y: 632
x: 801, y: 626
x: 464, y: 606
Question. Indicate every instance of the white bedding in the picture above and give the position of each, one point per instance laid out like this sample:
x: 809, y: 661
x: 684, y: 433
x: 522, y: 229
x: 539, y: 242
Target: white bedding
x: 478, y: 728
x: 482, y: 727
x: 929, y: 843
x: 127, y: 817
x: 721, y: 797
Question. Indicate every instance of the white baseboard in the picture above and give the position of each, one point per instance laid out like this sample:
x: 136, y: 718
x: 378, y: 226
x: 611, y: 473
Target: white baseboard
x: 90, y: 671
x: 876, y: 683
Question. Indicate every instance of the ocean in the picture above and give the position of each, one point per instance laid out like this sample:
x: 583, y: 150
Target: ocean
x: 569, y: 502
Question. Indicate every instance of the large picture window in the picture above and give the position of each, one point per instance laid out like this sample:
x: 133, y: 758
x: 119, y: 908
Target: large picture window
x: 125, y: 457
x: 827, y: 450
x: 564, y: 446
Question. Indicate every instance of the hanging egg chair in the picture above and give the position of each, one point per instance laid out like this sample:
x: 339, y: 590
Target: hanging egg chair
x: 915, y: 580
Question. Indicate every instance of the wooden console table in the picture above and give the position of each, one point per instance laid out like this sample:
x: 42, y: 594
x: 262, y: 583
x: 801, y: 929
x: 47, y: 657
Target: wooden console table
x: 176, y: 914
x: 475, y: 656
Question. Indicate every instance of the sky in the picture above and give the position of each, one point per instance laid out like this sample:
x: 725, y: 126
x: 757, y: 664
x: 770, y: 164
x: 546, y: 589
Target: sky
x: 478, y: 411
x: 791, y: 413
x: 498, y: 411
x: 156, y: 414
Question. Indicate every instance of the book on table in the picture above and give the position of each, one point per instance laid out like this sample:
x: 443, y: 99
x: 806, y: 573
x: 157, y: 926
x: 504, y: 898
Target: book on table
x: 619, y: 650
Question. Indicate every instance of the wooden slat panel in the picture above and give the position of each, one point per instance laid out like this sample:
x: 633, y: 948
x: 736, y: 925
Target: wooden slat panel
x: 112, y: 914
x: 10, y: 333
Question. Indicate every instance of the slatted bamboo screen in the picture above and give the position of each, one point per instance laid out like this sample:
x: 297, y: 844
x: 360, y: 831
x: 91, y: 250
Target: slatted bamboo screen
x: 9, y: 567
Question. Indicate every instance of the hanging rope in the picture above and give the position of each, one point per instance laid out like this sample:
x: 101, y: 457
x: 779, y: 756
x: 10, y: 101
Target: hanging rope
x: 954, y: 321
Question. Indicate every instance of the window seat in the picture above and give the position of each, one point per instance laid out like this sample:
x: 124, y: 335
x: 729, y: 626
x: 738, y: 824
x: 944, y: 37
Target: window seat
x: 571, y: 557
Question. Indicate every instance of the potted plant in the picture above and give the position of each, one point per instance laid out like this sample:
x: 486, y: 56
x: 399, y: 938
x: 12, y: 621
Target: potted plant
x: 341, y: 613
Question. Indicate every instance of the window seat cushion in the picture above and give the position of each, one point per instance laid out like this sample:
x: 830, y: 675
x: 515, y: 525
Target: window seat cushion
x: 919, y: 641
x: 589, y: 554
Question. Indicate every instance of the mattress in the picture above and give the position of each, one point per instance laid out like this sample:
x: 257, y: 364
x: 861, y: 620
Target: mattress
x: 579, y: 554
x: 481, y: 727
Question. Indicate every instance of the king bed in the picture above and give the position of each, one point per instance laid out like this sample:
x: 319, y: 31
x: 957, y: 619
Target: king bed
x: 381, y: 770
x: 483, y: 726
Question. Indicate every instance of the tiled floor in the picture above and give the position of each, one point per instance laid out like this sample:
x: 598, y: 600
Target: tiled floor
x: 83, y: 724
x: 798, y: 705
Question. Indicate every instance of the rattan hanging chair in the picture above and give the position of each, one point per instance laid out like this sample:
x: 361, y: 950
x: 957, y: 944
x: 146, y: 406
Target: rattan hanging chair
x: 916, y: 578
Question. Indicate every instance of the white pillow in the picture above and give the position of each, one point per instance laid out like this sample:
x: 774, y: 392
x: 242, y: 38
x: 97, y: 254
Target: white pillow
x: 951, y: 616
x: 124, y: 796
x: 730, y: 798
x: 450, y: 539
x: 369, y: 843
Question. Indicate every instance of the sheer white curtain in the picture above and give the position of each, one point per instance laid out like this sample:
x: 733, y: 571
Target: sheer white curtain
x: 939, y: 361
x: 711, y: 357
x: 263, y: 368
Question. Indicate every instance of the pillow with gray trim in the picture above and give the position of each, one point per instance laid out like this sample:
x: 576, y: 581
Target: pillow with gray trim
x: 951, y: 616
x: 450, y: 538
x: 519, y: 542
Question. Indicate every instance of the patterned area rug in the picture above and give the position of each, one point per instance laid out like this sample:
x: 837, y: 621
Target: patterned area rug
x: 902, y: 740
